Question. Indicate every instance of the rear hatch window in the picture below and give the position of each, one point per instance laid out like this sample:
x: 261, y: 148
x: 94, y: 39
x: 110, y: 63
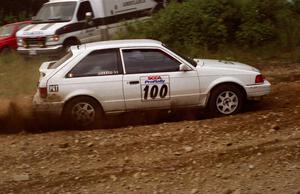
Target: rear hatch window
x: 60, y: 61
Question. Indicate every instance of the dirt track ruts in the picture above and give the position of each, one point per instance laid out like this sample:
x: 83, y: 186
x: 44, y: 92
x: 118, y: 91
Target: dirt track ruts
x: 257, y: 151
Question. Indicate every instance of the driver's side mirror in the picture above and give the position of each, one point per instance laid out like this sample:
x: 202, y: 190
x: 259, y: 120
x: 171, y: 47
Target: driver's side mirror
x: 184, y: 67
x: 89, y: 17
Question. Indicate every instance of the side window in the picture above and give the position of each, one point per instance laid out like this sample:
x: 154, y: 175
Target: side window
x: 97, y: 63
x: 83, y: 9
x: 148, y: 61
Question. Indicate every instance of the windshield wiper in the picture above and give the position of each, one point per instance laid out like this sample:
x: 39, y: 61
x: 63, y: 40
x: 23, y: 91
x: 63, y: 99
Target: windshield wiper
x: 57, y: 18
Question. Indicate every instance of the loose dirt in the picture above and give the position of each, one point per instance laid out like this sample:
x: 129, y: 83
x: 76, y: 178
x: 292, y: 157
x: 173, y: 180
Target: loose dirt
x: 255, y: 152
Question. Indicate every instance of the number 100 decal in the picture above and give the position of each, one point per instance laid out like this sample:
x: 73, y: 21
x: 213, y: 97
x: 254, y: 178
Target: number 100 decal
x: 155, y: 88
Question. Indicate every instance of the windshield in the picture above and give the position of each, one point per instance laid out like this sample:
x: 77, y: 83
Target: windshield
x: 61, y: 61
x: 188, y: 59
x: 6, y: 31
x: 56, y: 12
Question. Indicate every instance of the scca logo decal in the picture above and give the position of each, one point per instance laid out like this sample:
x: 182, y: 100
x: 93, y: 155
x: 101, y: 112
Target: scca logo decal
x: 154, y: 77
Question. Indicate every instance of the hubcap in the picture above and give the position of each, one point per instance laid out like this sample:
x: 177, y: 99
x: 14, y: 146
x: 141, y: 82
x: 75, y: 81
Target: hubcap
x: 227, y: 102
x: 83, y: 113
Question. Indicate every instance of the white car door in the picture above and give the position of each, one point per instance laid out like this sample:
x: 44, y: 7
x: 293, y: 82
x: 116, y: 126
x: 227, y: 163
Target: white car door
x: 99, y: 74
x: 153, y: 80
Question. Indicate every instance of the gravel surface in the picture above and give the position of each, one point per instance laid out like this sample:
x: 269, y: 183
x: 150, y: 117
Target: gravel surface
x: 255, y: 152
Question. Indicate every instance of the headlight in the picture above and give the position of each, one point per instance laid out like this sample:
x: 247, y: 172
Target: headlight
x: 53, y: 38
x: 20, y: 41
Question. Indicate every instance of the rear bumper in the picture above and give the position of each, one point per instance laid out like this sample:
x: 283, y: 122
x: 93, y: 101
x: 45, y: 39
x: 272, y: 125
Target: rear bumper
x: 51, y: 50
x: 40, y: 107
x: 258, y: 90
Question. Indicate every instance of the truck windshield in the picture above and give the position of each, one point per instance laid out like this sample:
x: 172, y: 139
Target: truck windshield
x: 58, y: 12
x: 6, y: 31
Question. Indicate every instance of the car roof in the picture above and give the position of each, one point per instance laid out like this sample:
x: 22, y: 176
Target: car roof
x: 118, y: 44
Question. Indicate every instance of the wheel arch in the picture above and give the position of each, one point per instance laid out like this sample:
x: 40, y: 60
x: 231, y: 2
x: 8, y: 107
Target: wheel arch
x: 71, y: 38
x: 82, y: 96
x: 6, y: 46
x: 232, y: 83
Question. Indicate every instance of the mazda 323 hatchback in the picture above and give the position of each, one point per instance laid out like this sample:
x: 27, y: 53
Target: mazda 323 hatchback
x: 98, y: 79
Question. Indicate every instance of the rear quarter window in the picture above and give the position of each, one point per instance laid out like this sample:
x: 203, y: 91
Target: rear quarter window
x: 97, y: 63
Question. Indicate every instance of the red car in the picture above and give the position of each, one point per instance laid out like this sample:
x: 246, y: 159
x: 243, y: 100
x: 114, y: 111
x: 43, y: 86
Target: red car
x: 8, y: 40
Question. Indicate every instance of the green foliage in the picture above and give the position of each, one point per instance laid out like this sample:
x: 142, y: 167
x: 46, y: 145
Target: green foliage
x: 16, y: 10
x: 260, y: 21
x: 210, y: 24
x: 296, y: 5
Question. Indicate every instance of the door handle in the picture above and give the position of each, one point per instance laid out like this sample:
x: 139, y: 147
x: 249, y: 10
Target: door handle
x: 134, y: 82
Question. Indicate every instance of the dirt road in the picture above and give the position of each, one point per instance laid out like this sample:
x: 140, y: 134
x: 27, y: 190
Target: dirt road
x: 255, y: 152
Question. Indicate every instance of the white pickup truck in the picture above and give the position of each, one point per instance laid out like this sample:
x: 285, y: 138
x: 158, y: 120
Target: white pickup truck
x: 113, y: 77
x: 62, y: 23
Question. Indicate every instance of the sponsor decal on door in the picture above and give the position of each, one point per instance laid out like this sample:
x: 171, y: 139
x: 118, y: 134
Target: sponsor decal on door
x: 155, y: 88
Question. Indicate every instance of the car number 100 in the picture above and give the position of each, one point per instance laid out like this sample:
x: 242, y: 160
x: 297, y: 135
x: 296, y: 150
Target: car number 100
x: 155, y: 91
x: 155, y: 88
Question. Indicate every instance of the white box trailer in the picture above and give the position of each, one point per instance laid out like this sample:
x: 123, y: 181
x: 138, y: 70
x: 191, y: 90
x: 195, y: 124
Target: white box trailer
x: 60, y: 24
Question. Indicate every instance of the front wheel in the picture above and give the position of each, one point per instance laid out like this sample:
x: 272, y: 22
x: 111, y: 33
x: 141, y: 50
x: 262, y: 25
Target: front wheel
x: 6, y: 50
x: 83, y: 112
x: 226, y: 100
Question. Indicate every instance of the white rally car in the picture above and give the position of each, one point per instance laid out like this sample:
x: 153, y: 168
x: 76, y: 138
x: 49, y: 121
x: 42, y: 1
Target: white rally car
x: 102, y: 78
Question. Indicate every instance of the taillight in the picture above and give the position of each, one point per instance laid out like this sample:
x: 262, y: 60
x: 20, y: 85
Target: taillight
x: 259, y: 79
x: 43, y: 92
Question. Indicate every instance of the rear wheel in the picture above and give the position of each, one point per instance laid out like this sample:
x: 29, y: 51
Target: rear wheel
x: 226, y: 99
x: 83, y: 112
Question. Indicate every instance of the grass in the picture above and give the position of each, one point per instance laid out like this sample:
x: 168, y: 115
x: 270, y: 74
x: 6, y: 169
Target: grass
x: 18, y: 76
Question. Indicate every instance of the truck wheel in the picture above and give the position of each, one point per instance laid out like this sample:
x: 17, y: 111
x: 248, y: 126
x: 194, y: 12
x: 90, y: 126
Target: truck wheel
x: 83, y: 112
x: 6, y: 50
x: 70, y: 42
x: 226, y: 99
x: 160, y: 5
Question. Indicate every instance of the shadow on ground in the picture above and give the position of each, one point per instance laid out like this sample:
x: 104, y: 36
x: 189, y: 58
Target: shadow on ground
x: 17, y: 116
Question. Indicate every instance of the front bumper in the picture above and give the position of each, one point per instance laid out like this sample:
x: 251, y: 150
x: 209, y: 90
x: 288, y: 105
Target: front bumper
x: 34, y: 51
x: 258, y: 90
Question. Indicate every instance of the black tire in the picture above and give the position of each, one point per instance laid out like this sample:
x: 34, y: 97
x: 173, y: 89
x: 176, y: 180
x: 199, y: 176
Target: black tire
x: 83, y: 112
x: 226, y: 99
x: 70, y: 42
x: 6, y: 50
x: 161, y: 4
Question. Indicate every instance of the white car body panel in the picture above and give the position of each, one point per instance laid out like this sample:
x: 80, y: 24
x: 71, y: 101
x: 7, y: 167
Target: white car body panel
x: 116, y: 94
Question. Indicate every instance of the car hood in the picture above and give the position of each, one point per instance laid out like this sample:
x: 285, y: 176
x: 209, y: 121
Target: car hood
x: 222, y: 64
x: 43, y: 29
